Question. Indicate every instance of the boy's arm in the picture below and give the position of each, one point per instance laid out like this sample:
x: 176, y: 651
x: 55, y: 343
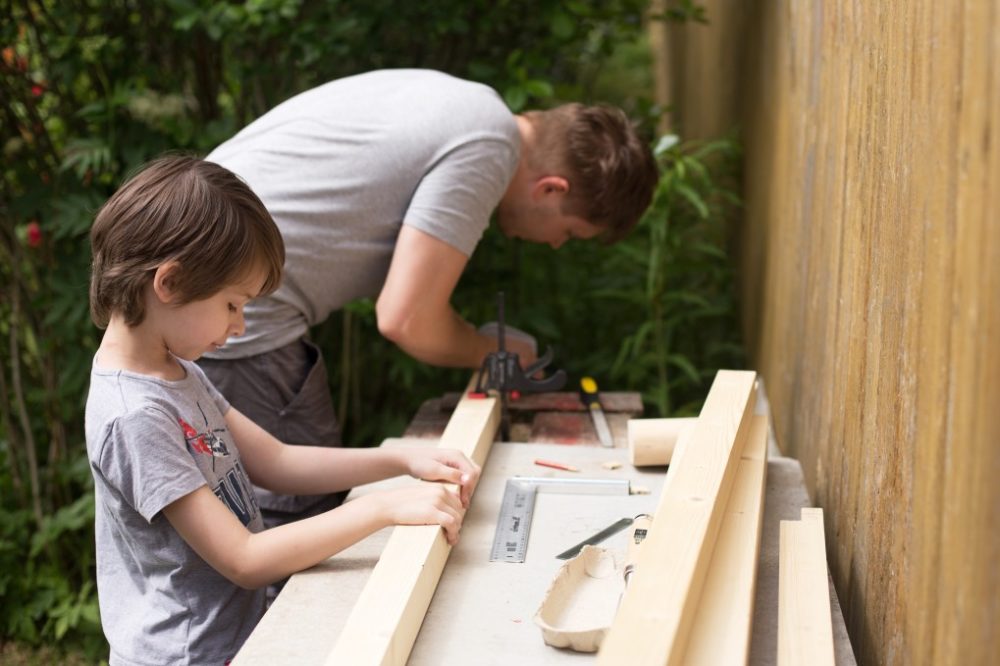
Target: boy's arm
x: 414, y: 307
x: 315, y: 470
x: 252, y: 560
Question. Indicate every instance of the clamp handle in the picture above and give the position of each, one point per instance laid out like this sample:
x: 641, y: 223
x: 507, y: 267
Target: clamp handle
x: 501, y: 370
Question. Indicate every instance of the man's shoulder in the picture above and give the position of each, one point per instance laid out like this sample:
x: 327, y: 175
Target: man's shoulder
x: 422, y: 88
x: 413, y: 77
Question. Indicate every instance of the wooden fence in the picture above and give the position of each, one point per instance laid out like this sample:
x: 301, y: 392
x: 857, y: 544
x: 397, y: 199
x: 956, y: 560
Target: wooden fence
x: 870, y: 252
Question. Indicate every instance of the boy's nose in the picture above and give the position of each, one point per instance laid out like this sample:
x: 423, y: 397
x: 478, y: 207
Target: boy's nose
x: 237, y: 327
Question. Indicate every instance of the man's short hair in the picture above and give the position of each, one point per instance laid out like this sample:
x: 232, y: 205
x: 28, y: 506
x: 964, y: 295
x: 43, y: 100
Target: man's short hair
x: 184, y: 209
x: 610, y: 168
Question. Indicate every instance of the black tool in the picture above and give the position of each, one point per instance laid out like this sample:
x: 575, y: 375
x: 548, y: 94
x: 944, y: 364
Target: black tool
x: 501, y: 372
x: 613, y: 528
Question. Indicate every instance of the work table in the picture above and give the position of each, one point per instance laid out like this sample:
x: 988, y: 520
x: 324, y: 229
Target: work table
x: 482, y: 611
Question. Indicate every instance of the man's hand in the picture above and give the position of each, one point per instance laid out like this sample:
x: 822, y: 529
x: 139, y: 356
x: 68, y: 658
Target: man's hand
x: 515, y: 340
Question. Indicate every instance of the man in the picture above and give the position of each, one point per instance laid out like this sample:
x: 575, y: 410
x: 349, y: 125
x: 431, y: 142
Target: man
x: 382, y: 185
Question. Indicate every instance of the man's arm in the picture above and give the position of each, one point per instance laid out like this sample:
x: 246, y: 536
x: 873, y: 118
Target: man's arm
x: 414, y: 308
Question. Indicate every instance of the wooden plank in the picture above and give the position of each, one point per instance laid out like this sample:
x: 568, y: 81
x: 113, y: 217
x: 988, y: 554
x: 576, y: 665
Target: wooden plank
x: 805, y: 630
x: 721, y: 630
x: 659, y: 605
x: 385, y: 619
x: 652, y: 441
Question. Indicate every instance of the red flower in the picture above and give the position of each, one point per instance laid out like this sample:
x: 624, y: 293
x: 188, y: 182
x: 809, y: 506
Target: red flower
x: 37, y: 90
x: 34, y: 234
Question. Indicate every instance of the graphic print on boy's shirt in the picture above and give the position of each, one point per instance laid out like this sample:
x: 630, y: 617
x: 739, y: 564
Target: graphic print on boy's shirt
x: 231, y: 484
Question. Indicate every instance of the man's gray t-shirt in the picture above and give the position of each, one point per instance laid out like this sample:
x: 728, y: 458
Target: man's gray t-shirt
x: 342, y: 166
x: 151, y: 442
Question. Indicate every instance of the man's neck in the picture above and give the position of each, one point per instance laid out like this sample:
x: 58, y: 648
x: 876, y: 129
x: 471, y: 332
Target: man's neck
x: 522, y: 173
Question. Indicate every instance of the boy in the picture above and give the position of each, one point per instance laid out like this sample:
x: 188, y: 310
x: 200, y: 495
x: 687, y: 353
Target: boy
x: 182, y: 558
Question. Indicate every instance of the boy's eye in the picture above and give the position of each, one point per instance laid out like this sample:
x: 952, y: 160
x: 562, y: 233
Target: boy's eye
x: 232, y: 308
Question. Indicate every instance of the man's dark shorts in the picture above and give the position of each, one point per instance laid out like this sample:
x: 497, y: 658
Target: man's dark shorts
x: 285, y: 392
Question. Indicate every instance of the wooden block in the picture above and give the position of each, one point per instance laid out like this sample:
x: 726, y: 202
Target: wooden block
x: 805, y: 629
x: 385, y: 620
x: 722, y: 626
x: 658, y: 608
x: 652, y: 441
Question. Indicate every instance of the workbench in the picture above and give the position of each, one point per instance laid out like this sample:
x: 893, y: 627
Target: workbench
x: 482, y: 612
x: 540, y: 418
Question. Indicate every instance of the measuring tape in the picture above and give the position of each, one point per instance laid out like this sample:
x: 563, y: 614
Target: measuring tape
x: 510, y: 541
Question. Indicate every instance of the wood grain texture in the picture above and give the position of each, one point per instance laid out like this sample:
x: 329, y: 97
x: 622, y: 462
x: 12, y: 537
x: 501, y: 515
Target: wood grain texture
x: 385, y: 619
x: 652, y: 441
x: 658, y: 607
x: 870, y: 276
x: 805, y: 630
x: 720, y: 633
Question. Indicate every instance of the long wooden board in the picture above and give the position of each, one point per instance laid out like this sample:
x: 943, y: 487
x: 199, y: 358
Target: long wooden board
x: 385, y: 619
x: 805, y: 629
x: 659, y: 605
x: 721, y: 630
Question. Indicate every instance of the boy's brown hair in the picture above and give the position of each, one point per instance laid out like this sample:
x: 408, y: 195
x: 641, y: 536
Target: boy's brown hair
x: 184, y: 209
x: 610, y: 168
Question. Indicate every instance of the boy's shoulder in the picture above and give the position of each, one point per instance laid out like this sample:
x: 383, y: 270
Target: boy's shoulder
x: 133, y: 386
x: 130, y: 403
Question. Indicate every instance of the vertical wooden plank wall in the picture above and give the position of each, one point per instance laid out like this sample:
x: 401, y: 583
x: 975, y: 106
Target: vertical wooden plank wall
x: 871, y: 288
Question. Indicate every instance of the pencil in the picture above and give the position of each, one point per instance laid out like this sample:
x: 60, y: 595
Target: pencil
x: 556, y: 465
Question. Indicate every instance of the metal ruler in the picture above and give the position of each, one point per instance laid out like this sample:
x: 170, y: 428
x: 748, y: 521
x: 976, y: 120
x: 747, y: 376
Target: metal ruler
x: 510, y: 541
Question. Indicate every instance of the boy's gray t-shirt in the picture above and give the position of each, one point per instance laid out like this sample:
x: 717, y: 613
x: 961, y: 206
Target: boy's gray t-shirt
x: 342, y: 166
x: 151, y: 442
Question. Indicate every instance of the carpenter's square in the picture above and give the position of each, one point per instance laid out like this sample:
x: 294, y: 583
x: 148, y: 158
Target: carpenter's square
x: 510, y: 540
x: 588, y: 394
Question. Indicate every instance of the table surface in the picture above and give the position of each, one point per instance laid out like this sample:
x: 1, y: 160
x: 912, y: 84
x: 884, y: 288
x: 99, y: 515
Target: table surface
x: 482, y: 611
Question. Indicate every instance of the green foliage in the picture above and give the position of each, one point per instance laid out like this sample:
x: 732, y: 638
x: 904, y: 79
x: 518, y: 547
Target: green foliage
x: 92, y: 89
x: 46, y: 572
x: 690, y: 327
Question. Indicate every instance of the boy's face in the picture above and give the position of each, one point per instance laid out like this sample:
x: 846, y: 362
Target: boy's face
x: 199, y: 327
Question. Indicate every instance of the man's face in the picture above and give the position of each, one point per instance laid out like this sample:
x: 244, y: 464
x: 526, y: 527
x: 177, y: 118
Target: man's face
x: 543, y: 225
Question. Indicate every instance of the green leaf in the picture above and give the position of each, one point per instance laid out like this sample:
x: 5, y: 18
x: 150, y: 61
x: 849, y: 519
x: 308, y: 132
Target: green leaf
x: 685, y: 365
x: 538, y: 88
x: 694, y: 198
x: 562, y: 25
x: 515, y: 97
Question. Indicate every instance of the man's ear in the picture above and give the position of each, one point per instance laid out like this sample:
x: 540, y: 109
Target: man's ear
x: 163, y: 281
x: 549, y: 185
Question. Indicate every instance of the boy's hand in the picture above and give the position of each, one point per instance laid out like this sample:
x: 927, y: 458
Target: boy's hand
x: 424, y: 504
x: 448, y: 465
